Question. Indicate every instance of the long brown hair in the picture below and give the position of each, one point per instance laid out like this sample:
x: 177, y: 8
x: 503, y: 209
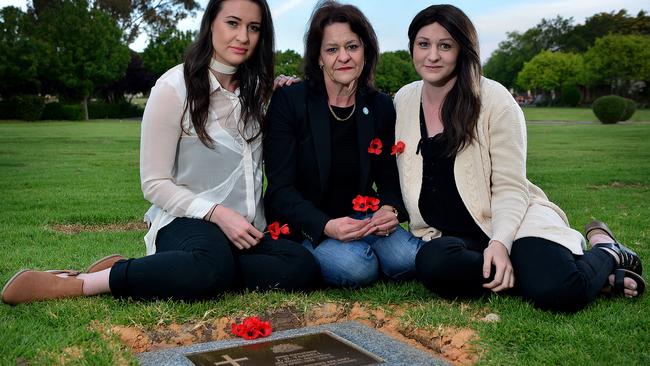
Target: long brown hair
x: 462, y: 105
x: 329, y: 12
x: 255, y: 75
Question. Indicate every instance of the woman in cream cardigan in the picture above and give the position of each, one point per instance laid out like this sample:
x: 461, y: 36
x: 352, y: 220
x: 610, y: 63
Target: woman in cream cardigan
x: 487, y: 227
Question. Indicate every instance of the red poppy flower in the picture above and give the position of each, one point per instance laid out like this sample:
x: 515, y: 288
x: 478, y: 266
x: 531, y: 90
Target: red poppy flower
x: 364, y: 203
x: 375, y: 146
x: 398, y: 148
x: 274, y: 229
x: 265, y: 329
x: 237, y: 329
x: 251, y: 328
x: 372, y: 203
x: 359, y: 203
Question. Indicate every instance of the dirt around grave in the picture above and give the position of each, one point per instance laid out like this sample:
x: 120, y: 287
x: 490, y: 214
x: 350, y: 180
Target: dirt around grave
x: 453, y: 344
x: 82, y: 228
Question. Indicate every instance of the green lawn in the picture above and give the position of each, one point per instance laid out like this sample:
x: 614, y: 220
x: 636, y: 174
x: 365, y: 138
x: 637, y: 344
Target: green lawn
x: 575, y: 114
x: 87, y: 173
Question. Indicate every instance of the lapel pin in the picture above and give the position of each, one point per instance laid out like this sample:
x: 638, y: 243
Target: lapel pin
x: 365, y: 111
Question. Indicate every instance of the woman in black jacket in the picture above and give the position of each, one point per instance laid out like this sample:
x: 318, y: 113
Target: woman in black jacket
x: 328, y: 143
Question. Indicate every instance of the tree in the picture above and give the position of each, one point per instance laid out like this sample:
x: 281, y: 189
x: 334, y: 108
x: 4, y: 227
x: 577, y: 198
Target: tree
x: 166, y: 51
x: 19, y: 54
x: 288, y: 63
x: 618, y: 61
x: 506, y: 62
x: 154, y: 16
x: 599, y: 25
x: 549, y: 71
x: 84, y: 47
x: 394, y: 70
x: 136, y: 80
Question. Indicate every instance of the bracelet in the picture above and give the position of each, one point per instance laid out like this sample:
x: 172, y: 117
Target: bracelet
x: 392, y: 209
x: 209, y: 215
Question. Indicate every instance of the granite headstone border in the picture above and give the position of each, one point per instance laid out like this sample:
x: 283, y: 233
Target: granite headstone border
x: 394, y: 352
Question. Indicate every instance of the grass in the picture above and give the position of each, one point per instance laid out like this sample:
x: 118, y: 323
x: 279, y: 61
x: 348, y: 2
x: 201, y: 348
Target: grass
x: 87, y: 173
x: 574, y: 114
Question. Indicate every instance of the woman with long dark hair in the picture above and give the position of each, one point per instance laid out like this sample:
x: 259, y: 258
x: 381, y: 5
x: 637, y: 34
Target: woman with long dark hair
x: 200, y: 166
x: 463, y: 179
x: 328, y: 143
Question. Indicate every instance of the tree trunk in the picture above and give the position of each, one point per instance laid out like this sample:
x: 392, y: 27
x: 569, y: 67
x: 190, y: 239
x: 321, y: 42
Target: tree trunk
x: 84, y: 104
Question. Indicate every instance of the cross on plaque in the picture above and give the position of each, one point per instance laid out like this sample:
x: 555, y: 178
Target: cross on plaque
x: 230, y: 361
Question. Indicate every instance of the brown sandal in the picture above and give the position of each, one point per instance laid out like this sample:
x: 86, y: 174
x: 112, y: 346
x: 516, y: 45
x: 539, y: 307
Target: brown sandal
x: 599, y: 225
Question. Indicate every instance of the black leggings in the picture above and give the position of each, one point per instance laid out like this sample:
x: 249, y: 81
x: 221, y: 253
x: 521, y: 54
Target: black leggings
x: 195, y: 260
x: 546, y: 273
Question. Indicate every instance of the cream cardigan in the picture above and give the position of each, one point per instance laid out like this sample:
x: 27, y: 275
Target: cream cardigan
x: 490, y: 173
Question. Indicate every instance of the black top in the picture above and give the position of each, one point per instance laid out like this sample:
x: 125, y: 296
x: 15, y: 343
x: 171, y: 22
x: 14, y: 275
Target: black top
x: 343, y: 182
x: 440, y: 204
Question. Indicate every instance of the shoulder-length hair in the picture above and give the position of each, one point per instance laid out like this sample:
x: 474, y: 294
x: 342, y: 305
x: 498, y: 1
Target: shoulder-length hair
x: 462, y: 105
x: 328, y: 12
x: 255, y: 75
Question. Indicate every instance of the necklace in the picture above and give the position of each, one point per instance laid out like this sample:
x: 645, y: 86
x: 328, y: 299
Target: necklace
x: 354, y: 107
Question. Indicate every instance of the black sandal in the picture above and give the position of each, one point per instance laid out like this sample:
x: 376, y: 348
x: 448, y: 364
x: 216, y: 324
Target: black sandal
x: 619, y: 286
x: 627, y: 258
x: 629, y: 264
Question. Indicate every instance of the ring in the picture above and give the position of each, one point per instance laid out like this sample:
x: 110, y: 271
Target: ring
x: 387, y: 233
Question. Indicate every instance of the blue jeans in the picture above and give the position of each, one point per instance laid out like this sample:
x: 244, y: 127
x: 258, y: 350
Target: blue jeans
x: 358, y: 263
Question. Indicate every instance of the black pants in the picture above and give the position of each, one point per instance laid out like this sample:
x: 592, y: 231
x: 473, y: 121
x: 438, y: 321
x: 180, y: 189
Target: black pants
x: 195, y: 260
x: 546, y: 273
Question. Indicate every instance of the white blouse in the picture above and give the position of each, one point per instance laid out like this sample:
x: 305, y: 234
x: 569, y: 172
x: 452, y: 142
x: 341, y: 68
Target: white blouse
x: 182, y: 177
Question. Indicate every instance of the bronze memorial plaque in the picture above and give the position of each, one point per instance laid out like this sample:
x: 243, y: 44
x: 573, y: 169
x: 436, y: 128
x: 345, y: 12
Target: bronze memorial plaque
x: 319, y: 349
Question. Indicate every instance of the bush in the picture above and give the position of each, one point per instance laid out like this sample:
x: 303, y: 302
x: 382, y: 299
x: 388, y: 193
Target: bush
x: 630, y: 108
x: 8, y: 109
x: 58, y: 111
x: 570, y: 95
x: 98, y: 110
x: 609, y: 108
x: 29, y: 107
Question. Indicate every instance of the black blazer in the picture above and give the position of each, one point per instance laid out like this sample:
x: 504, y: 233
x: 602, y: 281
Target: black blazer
x: 297, y: 153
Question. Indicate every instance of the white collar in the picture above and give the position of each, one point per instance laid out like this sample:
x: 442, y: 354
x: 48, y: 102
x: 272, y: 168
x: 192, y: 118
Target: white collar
x: 222, y: 68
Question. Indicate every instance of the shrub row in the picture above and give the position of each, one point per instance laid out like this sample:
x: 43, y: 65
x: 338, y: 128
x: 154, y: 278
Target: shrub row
x: 25, y: 107
x: 32, y: 108
x: 613, y: 108
x: 99, y: 110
